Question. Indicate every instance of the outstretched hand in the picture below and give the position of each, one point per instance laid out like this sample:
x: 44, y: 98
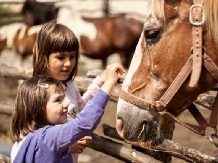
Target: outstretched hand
x: 80, y: 145
x: 110, y: 76
x: 103, y: 75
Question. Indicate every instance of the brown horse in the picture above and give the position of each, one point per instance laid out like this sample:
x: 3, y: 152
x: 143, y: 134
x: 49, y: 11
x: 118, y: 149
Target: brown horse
x: 18, y: 37
x: 115, y: 34
x: 173, y: 63
x: 99, y: 37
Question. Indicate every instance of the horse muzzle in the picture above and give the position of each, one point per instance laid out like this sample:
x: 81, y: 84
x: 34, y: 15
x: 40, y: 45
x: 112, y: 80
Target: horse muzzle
x: 138, y: 126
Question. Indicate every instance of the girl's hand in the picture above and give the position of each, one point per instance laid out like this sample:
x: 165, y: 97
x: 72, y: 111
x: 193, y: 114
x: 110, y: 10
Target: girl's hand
x: 80, y: 145
x: 112, y: 72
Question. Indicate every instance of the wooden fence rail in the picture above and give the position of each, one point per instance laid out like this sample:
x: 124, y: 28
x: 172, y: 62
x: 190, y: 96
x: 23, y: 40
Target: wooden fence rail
x: 115, y: 149
x: 116, y: 146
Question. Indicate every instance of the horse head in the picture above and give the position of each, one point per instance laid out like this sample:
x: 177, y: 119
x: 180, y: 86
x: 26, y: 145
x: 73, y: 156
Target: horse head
x: 169, y: 69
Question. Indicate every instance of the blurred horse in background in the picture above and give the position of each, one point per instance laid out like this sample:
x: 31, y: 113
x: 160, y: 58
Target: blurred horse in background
x: 36, y: 13
x: 18, y: 37
x: 99, y: 37
x: 114, y: 34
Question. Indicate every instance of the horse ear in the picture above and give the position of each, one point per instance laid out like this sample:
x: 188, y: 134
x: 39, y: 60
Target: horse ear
x: 170, y: 8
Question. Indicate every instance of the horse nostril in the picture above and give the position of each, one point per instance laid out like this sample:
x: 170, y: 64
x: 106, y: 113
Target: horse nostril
x: 144, y: 123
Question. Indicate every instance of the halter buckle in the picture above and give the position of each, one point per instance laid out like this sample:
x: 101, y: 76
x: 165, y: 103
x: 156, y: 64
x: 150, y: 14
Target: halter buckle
x: 159, y: 106
x: 198, y: 23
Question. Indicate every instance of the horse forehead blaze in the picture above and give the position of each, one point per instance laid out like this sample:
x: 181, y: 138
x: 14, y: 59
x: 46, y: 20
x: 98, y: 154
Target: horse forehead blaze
x: 162, y: 51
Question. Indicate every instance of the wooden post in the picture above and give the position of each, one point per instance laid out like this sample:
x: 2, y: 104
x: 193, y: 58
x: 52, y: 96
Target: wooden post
x: 119, y: 151
x: 106, y: 8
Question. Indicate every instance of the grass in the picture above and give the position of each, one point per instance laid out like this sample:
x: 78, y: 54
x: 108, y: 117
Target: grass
x: 7, y: 16
x: 4, y: 9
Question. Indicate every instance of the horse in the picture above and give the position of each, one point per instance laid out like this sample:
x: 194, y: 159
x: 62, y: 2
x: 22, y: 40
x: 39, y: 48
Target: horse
x: 99, y: 37
x: 19, y: 37
x: 115, y: 34
x: 175, y: 60
x: 36, y: 13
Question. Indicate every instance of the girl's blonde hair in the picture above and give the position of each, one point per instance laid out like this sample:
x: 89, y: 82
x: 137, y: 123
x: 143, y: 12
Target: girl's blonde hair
x: 53, y: 37
x: 30, y: 104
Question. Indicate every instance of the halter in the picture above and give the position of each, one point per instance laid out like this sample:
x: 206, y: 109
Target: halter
x: 193, y: 67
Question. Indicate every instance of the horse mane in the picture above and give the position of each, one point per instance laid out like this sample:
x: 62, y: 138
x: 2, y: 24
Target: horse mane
x: 210, y: 10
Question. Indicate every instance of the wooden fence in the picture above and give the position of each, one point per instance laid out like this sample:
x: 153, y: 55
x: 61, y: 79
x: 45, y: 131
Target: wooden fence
x: 115, y: 145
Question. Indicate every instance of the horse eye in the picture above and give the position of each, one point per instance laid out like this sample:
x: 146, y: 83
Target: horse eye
x: 152, y: 36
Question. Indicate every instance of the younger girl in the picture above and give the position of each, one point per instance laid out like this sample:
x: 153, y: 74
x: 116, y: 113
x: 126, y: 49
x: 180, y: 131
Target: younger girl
x: 39, y: 125
x: 56, y: 54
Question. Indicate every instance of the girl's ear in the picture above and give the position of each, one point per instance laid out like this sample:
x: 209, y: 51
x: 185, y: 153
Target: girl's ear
x: 47, y: 63
x: 47, y: 66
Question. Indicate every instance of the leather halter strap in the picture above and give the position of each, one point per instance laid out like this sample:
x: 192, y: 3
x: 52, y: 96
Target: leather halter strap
x: 196, y: 18
x: 193, y: 65
x: 168, y: 95
x: 160, y: 106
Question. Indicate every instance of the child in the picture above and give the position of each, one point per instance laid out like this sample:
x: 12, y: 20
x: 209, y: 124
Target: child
x: 56, y: 53
x: 39, y: 122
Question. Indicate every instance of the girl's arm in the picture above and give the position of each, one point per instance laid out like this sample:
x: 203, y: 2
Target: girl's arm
x: 100, y: 80
x: 59, y: 138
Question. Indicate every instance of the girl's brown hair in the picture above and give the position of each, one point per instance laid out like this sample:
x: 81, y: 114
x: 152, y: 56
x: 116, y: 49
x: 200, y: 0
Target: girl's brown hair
x: 53, y: 37
x: 30, y: 104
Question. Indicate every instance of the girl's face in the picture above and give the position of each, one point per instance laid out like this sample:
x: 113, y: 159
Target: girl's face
x: 56, y: 109
x: 61, y: 64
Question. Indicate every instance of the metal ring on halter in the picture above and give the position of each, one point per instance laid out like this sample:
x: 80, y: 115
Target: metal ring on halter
x: 203, y: 50
x: 211, y: 139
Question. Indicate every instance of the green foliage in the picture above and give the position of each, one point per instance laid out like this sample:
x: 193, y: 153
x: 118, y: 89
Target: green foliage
x: 4, y: 9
